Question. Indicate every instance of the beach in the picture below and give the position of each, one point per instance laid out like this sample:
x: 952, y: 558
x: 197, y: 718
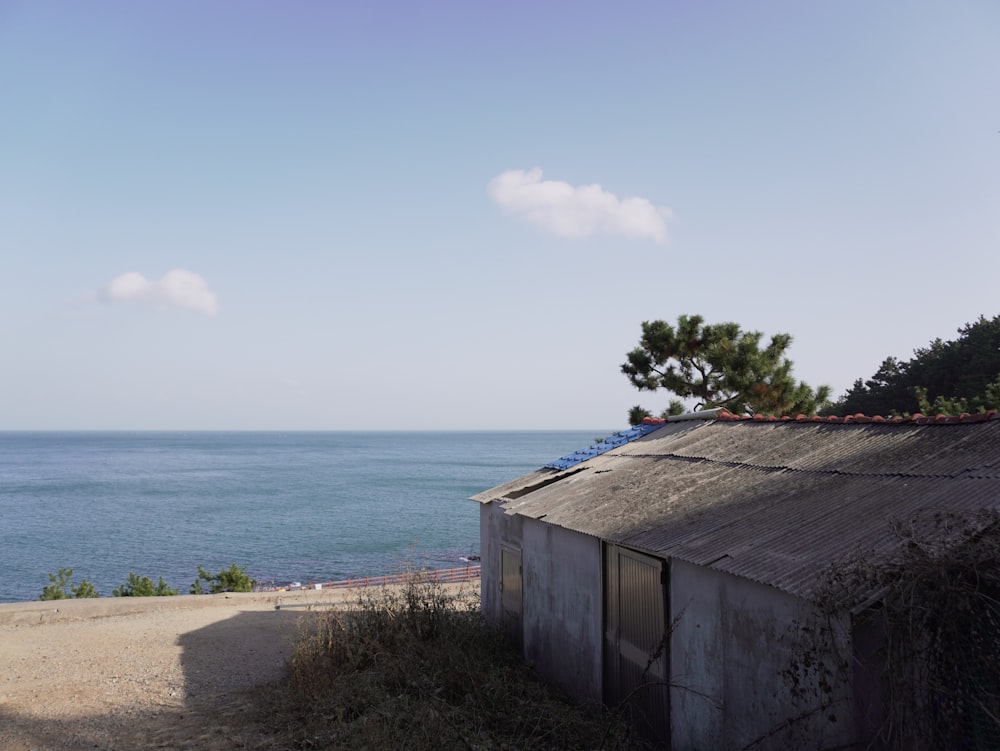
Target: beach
x: 138, y: 673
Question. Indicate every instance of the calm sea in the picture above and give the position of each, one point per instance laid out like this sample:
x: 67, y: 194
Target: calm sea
x: 287, y: 506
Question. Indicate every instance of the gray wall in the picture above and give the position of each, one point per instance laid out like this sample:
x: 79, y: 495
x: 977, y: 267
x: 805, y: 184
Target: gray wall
x: 736, y: 646
x: 562, y: 613
x: 489, y: 559
x: 562, y: 607
x: 495, y: 528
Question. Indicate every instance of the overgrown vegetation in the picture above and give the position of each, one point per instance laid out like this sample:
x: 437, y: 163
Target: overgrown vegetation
x: 415, y: 668
x: 142, y: 586
x: 934, y: 608
x: 232, y: 579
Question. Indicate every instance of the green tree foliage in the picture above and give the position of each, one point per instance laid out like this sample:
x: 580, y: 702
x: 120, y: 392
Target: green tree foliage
x: 142, y: 586
x: 943, y: 378
x: 58, y: 584
x: 719, y: 365
x: 232, y: 579
x: 639, y: 413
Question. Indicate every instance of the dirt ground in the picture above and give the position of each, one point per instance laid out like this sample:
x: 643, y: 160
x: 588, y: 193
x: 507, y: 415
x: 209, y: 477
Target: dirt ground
x: 143, y: 673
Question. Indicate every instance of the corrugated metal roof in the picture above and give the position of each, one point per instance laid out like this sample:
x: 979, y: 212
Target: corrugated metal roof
x: 548, y: 474
x: 776, y: 502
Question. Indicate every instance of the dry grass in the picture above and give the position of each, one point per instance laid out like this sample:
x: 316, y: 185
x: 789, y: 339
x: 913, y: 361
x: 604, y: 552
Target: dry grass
x: 414, y: 668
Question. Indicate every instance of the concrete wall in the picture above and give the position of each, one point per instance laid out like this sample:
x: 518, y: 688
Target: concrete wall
x: 563, y: 607
x: 749, y: 666
x: 562, y: 617
x: 495, y: 529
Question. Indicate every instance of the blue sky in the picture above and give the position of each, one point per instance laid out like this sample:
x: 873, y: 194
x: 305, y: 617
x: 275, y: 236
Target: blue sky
x: 454, y: 215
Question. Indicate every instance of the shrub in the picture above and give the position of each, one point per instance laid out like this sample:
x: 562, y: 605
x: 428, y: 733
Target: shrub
x: 936, y: 609
x: 232, y: 579
x: 84, y: 589
x: 142, y: 586
x: 56, y: 588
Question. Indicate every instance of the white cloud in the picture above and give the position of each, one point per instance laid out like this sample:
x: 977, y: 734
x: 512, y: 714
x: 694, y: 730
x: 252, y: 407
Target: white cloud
x: 177, y: 289
x: 576, y: 211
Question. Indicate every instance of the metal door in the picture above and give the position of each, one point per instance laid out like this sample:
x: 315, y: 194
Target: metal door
x: 511, y: 593
x: 636, y: 642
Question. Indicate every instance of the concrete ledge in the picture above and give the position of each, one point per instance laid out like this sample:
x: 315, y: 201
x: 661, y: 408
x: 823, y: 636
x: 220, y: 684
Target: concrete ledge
x: 52, y: 611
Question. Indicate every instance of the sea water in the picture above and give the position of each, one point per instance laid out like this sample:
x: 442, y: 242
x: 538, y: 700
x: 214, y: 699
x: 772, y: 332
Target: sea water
x: 287, y: 506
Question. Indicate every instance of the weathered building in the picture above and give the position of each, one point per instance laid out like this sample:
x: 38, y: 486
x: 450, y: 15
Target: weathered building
x: 676, y: 566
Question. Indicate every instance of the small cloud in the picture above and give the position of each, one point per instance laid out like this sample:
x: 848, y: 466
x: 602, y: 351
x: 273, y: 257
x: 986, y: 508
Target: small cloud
x: 576, y: 211
x: 177, y: 289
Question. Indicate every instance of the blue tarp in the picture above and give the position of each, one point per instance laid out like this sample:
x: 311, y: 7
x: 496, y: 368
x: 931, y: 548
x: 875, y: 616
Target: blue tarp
x: 611, y: 442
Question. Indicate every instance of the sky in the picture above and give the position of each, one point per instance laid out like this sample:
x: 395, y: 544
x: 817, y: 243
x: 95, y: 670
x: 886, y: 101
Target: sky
x: 350, y: 215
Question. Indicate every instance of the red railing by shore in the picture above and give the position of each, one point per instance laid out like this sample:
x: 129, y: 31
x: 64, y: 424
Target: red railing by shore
x: 440, y: 575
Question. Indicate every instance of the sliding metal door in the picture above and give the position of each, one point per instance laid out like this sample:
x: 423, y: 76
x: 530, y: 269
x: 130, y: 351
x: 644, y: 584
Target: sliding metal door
x: 636, y: 642
x: 511, y: 594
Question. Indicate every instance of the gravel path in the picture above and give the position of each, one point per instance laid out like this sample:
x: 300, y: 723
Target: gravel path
x: 138, y: 673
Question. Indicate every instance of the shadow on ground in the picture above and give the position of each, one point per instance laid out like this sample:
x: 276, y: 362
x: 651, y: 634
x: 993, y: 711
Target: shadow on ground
x: 223, y: 663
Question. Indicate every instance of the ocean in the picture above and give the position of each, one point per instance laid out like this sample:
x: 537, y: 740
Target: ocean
x: 287, y: 506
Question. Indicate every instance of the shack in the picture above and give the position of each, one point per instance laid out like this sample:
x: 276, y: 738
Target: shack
x: 675, y: 567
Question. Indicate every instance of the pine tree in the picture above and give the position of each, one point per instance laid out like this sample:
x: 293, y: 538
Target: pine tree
x: 719, y: 365
x: 945, y: 377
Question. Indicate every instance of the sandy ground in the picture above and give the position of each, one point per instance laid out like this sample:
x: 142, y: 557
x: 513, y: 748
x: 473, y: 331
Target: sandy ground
x: 140, y: 673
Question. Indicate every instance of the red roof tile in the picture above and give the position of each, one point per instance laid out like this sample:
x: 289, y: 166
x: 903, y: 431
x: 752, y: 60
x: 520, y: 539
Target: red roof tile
x: 914, y: 419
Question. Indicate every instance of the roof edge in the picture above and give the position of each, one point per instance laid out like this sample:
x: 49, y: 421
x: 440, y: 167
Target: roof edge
x: 702, y: 414
x: 603, y: 446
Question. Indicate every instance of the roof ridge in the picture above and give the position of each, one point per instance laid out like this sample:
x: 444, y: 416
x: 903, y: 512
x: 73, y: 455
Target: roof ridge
x: 915, y: 419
